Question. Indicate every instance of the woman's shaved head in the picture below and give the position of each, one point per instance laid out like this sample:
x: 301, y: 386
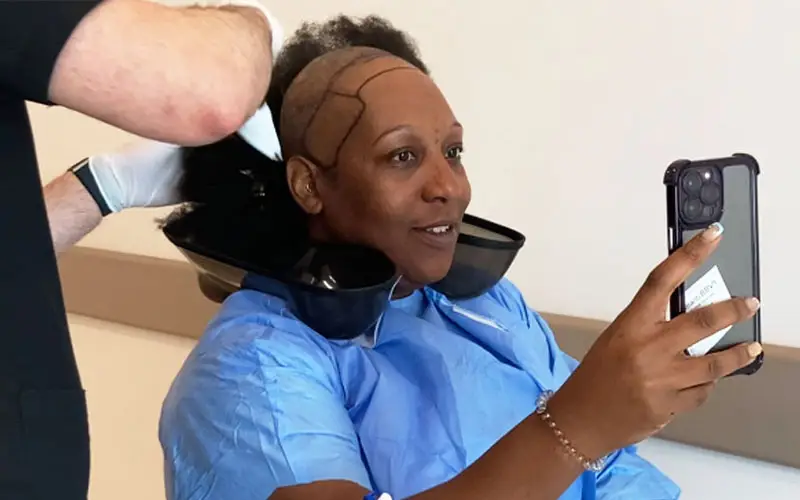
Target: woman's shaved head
x: 324, y: 102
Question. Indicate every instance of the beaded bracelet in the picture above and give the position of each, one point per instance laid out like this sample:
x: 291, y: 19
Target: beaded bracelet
x: 544, y: 414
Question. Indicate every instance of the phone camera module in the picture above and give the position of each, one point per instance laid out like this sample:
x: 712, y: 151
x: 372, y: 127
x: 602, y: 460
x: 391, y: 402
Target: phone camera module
x: 701, y: 195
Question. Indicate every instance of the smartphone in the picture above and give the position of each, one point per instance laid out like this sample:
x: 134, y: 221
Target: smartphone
x: 700, y: 193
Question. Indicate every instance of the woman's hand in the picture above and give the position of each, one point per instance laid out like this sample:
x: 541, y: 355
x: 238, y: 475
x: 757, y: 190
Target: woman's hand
x: 636, y: 377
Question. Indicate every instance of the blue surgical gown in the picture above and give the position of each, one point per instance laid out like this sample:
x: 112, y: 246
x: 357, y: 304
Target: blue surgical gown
x: 263, y: 401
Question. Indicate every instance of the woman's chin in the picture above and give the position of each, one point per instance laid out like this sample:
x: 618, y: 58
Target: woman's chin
x: 428, y: 274
x: 414, y: 280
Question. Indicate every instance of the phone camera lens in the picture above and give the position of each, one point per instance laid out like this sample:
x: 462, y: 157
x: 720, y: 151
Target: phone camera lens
x: 692, y: 208
x: 710, y: 193
x: 692, y: 182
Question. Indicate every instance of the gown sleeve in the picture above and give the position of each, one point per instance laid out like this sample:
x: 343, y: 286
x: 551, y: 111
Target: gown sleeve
x: 257, y: 410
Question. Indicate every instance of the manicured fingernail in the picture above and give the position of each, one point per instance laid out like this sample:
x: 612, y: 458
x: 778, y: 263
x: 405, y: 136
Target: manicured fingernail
x: 753, y: 303
x: 754, y: 349
x: 713, y: 232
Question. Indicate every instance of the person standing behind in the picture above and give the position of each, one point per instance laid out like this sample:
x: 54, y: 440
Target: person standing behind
x: 188, y: 76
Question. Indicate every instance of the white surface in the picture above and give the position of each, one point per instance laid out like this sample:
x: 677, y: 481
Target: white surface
x: 708, y: 289
x: 707, y: 475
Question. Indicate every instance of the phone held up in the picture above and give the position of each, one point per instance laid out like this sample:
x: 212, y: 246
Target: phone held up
x: 700, y: 193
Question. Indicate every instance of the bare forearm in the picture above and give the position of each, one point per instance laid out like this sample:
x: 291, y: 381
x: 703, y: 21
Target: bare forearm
x: 185, y: 75
x: 71, y: 211
x: 527, y: 463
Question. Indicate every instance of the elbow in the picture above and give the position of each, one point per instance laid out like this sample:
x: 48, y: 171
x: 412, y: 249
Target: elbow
x: 221, y: 108
x: 236, y: 87
x: 213, y: 118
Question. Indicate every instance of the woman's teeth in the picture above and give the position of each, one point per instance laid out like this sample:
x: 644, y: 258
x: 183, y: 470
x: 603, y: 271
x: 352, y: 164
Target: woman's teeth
x: 439, y: 229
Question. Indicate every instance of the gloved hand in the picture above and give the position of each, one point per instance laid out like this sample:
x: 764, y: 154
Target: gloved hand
x: 142, y: 174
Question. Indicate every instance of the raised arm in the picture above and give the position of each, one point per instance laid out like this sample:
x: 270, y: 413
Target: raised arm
x: 187, y: 75
x: 633, y: 381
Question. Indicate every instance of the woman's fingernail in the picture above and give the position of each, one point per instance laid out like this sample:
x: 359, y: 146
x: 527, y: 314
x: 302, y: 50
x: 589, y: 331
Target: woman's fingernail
x: 753, y: 303
x: 754, y: 349
x: 713, y: 232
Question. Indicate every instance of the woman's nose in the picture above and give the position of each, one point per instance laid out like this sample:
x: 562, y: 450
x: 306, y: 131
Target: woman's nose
x: 443, y: 183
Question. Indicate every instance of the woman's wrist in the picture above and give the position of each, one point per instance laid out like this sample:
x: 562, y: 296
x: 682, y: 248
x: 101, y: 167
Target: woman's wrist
x: 528, y: 462
x: 581, y: 428
x: 567, y: 445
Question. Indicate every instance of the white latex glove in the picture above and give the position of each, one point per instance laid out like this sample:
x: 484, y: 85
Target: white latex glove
x: 142, y: 174
x: 259, y: 130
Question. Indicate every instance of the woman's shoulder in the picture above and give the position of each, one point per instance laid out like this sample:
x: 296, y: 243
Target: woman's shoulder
x: 250, y: 341
x: 253, y: 325
x: 506, y: 292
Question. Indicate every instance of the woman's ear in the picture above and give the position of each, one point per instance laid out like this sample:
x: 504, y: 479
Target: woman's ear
x: 301, y: 175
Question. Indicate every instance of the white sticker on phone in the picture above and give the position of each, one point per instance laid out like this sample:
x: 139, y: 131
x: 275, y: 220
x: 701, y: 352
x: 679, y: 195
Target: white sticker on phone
x: 707, y: 290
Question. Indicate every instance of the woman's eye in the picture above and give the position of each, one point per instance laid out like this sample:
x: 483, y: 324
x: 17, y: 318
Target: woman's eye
x: 455, y: 153
x: 404, y: 156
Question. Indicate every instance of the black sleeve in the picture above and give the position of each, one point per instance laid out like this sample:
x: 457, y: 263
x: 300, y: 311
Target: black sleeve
x: 32, y: 34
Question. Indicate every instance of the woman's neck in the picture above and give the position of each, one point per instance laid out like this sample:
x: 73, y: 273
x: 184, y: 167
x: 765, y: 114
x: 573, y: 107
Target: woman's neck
x: 404, y: 288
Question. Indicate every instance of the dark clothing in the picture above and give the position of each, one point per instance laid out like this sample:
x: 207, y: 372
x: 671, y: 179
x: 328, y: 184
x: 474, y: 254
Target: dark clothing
x: 44, y: 439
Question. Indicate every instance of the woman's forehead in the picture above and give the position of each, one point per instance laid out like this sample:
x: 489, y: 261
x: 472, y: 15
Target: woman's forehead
x: 404, y: 98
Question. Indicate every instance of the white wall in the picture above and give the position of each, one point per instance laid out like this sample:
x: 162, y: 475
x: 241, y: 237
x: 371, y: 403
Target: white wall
x: 572, y: 109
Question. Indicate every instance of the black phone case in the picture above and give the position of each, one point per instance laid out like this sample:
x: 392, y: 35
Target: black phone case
x: 736, y: 260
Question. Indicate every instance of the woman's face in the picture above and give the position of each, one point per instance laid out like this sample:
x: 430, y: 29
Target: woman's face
x: 398, y: 184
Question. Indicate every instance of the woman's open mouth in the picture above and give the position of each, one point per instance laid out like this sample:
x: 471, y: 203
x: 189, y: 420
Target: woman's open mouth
x: 439, y: 235
x: 439, y: 229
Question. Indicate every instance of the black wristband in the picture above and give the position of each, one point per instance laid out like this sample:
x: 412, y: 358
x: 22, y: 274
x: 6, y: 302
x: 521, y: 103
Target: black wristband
x: 84, y: 174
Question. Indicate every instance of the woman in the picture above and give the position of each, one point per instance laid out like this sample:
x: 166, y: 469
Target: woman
x: 451, y: 399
